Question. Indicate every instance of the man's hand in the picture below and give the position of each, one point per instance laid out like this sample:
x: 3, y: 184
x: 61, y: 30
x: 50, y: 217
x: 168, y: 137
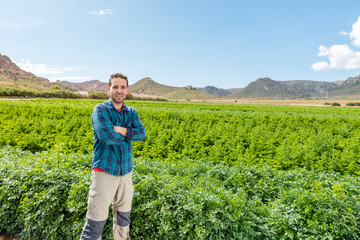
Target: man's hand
x: 121, y: 130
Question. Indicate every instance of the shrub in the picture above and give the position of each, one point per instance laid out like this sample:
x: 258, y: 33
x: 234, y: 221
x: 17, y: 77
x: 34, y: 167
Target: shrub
x: 98, y: 95
x: 53, y: 93
x: 353, y: 104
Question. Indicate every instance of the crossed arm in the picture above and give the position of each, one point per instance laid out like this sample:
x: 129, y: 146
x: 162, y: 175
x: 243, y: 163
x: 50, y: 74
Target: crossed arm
x: 121, y: 130
x: 112, y: 135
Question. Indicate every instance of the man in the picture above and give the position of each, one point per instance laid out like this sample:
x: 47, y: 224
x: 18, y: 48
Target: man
x: 115, y: 125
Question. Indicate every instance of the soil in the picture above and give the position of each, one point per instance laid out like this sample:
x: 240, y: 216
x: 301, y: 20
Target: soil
x: 293, y: 102
x: 5, y: 236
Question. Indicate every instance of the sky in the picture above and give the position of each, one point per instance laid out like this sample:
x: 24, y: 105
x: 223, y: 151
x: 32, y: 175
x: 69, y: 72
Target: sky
x: 226, y: 44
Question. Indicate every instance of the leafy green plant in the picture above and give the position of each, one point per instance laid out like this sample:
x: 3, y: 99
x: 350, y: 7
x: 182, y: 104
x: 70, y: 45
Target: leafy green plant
x: 44, y: 196
x: 284, y: 137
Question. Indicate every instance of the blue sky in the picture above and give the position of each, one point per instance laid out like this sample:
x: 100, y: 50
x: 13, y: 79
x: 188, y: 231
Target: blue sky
x: 226, y: 44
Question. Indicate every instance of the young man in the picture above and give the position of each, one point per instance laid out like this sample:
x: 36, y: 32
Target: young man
x: 115, y: 125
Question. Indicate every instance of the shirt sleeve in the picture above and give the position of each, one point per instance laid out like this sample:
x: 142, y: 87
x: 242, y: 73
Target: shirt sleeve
x: 137, y: 131
x: 104, y: 128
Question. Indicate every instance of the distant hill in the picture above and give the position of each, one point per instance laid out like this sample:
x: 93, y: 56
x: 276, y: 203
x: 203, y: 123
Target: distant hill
x: 232, y: 90
x: 349, y: 87
x: 220, y: 92
x: 268, y: 88
x: 263, y: 87
x: 308, y: 88
x: 147, y: 86
x: 12, y: 76
x: 150, y: 87
x: 94, y: 85
x: 188, y: 92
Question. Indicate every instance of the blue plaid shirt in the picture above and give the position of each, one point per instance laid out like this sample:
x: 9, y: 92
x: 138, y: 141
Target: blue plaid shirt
x: 112, y: 152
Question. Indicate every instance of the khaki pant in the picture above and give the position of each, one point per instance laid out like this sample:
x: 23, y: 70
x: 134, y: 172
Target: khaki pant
x: 104, y: 189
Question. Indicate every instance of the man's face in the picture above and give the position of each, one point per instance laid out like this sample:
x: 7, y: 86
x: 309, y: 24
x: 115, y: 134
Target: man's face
x: 118, y: 90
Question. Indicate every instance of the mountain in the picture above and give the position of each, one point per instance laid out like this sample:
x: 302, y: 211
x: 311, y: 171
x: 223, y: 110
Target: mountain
x: 220, y: 92
x: 309, y: 88
x: 350, y: 81
x: 232, y: 90
x: 150, y: 87
x: 147, y: 86
x: 349, y: 87
x: 268, y: 88
x: 12, y: 76
x: 188, y: 92
x: 94, y: 85
x: 263, y: 87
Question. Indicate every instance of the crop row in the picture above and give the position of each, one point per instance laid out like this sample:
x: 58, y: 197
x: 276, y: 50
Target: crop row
x: 44, y: 196
x: 284, y: 137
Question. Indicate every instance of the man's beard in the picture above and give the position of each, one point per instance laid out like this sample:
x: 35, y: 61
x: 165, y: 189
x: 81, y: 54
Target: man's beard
x: 115, y: 100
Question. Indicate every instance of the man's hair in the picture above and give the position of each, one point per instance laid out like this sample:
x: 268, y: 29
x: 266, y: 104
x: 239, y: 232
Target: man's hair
x: 118, y: 75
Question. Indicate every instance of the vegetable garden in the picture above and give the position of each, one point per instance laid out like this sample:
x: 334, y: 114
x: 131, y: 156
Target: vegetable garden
x: 205, y: 171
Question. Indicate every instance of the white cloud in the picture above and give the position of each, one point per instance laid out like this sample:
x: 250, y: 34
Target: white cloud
x: 41, y: 68
x: 355, y: 34
x: 102, y: 12
x: 38, y: 68
x: 341, y: 56
x: 71, y: 79
x: 321, y: 67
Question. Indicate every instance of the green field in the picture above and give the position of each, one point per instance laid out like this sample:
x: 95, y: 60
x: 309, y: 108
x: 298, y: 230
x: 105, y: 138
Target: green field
x: 205, y: 170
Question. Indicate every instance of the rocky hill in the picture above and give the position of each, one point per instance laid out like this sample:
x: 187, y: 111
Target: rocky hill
x: 150, y: 87
x: 220, y: 92
x: 350, y: 81
x: 350, y: 87
x: 309, y: 88
x: 268, y: 88
x: 13, y: 76
x: 147, y: 86
x: 94, y: 85
x: 263, y: 87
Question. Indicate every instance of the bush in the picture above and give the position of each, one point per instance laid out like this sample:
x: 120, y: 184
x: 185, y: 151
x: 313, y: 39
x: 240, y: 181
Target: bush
x: 54, y: 93
x: 335, y: 104
x: 353, y: 104
x: 98, y: 95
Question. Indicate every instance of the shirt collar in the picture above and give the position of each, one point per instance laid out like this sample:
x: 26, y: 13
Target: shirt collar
x: 109, y: 103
